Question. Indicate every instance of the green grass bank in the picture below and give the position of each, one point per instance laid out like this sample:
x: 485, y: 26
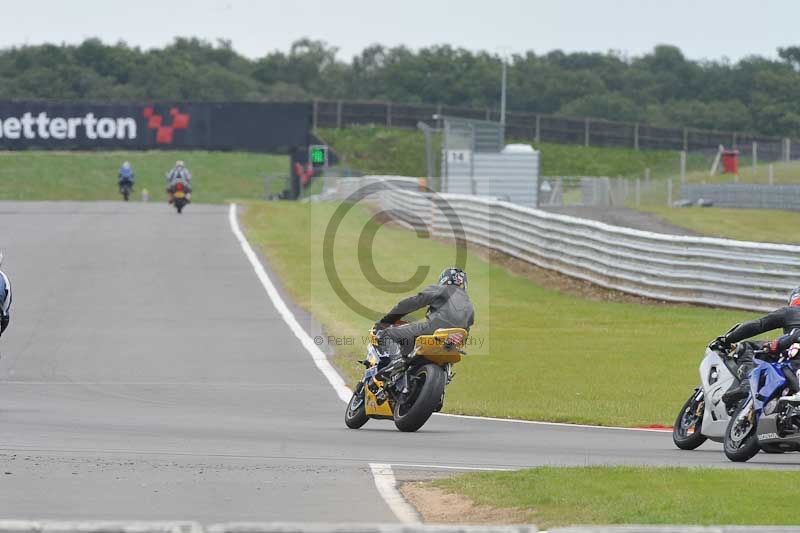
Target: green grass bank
x: 88, y: 176
x: 551, y: 497
x: 396, y: 151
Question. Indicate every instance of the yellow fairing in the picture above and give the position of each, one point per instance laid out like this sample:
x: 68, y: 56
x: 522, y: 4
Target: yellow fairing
x: 432, y: 347
x: 371, y: 404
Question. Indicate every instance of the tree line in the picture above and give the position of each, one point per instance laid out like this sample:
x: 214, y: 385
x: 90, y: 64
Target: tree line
x: 663, y: 87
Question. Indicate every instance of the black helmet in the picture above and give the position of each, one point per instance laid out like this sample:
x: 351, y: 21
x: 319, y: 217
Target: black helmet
x: 453, y: 276
x: 794, y: 296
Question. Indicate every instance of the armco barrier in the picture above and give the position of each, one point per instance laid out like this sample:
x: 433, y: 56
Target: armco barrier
x: 744, y: 195
x: 719, y: 272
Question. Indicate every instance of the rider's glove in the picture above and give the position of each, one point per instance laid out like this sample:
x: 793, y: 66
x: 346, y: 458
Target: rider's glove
x: 720, y: 344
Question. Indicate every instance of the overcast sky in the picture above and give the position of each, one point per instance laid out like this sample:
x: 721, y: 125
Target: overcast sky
x: 703, y: 29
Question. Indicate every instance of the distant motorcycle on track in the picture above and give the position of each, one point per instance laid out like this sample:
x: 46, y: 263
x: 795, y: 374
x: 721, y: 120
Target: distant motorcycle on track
x: 125, y: 189
x: 180, y: 196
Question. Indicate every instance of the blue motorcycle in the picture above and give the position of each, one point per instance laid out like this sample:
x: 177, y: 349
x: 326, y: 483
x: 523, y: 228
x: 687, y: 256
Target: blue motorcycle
x: 769, y: 418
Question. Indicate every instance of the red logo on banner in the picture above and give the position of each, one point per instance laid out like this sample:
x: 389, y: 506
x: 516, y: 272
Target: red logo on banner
x: 180, y: 121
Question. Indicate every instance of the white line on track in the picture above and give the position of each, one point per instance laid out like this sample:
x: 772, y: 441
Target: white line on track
x: 317, y: 355
x: 455, y: 467
x: 557, y: 424
x: 387, y: 487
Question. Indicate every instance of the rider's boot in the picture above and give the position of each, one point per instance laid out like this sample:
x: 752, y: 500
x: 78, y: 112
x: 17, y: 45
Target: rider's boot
x: 389, y: 351
x: 735, y: 394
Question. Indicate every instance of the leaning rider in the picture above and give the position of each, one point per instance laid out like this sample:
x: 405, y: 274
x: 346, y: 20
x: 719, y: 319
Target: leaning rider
x: 786, y: 318
x: 448, y: 304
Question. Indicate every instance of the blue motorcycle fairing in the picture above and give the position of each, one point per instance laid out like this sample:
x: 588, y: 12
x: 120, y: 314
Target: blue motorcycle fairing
x: 773, y: 378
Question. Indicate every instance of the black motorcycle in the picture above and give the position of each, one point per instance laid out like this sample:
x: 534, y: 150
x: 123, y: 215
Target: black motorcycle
x: 125, y: 189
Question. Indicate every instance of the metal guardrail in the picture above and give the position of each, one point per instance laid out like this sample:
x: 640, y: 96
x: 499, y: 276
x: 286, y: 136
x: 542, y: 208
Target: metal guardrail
x: 744, y: 195
x: 701, y: 270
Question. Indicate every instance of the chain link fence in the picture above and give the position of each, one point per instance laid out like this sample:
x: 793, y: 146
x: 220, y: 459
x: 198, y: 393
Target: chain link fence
x: 550, y: 128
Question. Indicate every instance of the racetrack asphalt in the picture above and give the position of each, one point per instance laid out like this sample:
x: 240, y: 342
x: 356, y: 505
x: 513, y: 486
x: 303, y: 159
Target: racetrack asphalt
x: 147, y: 376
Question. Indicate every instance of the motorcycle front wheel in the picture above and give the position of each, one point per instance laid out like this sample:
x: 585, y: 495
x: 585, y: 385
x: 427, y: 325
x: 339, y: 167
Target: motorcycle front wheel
x: 741, y: 440
x: 356, y: 414
x: 686, y: 431
x: 427, y: 388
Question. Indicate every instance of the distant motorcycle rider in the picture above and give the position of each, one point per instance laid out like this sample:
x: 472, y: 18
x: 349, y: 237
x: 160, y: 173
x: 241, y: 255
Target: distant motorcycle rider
x: 5, y: 300
x: 786, y: 318
x: 179, y: 174
x: 125, y: 175
x: 449, y: 306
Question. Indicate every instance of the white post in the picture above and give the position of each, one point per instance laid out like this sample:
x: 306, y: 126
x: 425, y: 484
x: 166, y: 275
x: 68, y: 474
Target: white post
x: 683, y: 166
x: 771, y: 174
x: 503, y: 94
x: 669, y: 193
x: 755, y: 157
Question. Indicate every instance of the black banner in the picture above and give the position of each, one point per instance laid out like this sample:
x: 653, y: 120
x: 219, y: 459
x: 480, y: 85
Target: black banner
x: 267, y: 127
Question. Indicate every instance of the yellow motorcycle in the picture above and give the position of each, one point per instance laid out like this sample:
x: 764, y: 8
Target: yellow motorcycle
x: 408, y: 389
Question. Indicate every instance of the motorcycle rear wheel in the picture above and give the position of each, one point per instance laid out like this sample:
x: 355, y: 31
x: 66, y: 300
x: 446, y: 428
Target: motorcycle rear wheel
x: 741, y: 439
x: 688, y: 419
x: 355, y: 415
x: 427, y: 389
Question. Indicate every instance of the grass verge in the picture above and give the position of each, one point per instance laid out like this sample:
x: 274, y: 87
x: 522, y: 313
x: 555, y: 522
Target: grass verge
x: 544, y: 355
x: 217, y: 176
x: 626, y: 495
x: 757, y: 225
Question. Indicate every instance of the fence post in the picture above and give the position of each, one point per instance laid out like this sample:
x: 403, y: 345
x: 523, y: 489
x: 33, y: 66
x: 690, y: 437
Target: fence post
x: 586, y: 132
x: 439, y: 115
x: 338, y: 114
x: 755, y: 156
x: 733, y: 141
x: 538, y: 137
x: 388, y: 114
x: 669, y: 192
x: 685, y: 139
x: 472, y: 184
x: 488, y: 114
x: 638, y: 191
x: 314, y: 116
x: 636, y: 136
x: 771, y: 175
x: 787, y: 149
x: 683, y: 166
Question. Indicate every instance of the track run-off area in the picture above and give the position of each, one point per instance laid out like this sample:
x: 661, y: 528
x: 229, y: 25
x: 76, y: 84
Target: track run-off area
x: 153, y: 370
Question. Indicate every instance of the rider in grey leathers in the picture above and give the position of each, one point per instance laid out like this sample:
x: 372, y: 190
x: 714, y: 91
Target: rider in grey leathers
x: 448, y: 304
